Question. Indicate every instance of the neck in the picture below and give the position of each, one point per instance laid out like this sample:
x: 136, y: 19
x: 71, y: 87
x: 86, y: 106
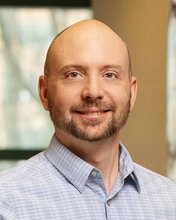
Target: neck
x: 103, y: 155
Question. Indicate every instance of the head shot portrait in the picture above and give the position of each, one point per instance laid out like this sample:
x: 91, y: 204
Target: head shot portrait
x: 89, y: 90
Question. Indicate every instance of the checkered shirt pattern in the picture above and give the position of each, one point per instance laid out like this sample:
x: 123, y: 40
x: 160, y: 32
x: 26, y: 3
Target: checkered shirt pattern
x: 58, y: 185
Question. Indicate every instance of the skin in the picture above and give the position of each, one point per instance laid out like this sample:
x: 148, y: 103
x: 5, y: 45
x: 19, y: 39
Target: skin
x: 88, y: 83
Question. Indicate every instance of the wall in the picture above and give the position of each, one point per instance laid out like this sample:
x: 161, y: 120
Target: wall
x: 143, y: 25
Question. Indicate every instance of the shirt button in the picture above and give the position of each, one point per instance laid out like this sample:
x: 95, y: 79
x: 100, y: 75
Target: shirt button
x: 108, y: 203
x: 94, y: 173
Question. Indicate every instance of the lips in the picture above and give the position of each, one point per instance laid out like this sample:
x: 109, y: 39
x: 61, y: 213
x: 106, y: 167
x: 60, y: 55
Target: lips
x: 94, y: 114
x: 92, y: 111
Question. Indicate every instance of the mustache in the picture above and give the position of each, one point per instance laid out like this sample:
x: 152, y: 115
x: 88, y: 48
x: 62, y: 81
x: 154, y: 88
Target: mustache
x: 98, y: 105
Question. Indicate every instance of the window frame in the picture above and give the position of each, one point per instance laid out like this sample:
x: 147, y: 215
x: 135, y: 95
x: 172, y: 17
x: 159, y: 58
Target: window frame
x: 46, y: 3
x: 13, y: 154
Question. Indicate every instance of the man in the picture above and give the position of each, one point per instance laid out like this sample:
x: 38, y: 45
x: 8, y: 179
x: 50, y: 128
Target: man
x: 86, y: 173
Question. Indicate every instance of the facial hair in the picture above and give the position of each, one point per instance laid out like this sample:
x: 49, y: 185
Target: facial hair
x: 104, y: 129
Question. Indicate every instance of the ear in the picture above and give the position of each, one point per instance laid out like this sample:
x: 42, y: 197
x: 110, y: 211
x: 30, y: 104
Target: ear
x: 133, y: 91
x: 42, y: 89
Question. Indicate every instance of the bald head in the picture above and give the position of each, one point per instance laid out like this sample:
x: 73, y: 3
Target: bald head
x: 84, y: 33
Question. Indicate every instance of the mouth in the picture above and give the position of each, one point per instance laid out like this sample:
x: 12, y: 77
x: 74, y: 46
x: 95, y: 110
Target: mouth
x: 92, y: 113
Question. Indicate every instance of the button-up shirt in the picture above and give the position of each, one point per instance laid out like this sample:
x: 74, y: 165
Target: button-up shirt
x: 58, y: 185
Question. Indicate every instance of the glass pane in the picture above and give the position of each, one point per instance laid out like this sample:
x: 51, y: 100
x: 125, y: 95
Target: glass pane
x: 23, y: 45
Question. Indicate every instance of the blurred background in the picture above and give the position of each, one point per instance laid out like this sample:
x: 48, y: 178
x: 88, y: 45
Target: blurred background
x: 149, y: 29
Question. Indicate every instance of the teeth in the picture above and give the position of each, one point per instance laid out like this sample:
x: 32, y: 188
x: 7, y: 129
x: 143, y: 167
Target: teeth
x: 93, y: 113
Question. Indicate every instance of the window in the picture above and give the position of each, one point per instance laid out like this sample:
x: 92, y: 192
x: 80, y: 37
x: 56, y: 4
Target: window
x: 25, y: 34
x: 171, y: 93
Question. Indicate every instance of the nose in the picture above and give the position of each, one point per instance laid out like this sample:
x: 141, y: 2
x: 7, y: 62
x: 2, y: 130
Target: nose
x: 93, y: 89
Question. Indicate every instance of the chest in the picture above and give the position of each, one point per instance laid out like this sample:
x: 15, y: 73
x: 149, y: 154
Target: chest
x: 68, y: 203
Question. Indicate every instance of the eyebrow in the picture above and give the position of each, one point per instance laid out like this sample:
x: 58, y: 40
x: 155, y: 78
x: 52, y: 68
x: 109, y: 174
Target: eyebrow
x: 71, y: 66
x: 114, y: 66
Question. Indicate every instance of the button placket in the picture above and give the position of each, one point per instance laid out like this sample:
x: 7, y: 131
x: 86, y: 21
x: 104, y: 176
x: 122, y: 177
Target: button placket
x: 108, y: 203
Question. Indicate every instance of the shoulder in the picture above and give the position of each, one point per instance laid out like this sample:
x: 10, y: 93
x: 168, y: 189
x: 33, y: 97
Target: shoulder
x: 20, y: 180
x: 26, y: 169
x: 154, y: 182
x: 17, y: 182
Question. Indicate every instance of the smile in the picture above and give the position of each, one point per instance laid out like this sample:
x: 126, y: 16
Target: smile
x: 92, y: 113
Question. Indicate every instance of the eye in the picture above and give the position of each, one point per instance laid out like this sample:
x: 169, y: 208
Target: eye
x: 73, y: 75
x: 110, y: 75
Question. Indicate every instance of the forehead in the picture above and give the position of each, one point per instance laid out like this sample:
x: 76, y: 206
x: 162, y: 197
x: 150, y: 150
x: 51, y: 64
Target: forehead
x: 95, y: 44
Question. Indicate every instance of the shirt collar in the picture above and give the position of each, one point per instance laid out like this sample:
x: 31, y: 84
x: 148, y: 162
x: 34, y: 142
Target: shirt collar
x: 71, y: 166
x: 126, y: 168
x: 77, y: 170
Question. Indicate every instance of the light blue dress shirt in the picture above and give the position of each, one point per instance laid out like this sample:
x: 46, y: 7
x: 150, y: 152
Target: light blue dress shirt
x: 58, y: 185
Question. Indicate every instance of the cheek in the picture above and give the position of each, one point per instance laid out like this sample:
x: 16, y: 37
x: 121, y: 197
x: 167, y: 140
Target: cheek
x: 64, y: 99
x: 62, y: 103
x: 119, y: 95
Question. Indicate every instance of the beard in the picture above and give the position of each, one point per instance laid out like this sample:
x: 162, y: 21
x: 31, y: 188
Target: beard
x: 102, y: 128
